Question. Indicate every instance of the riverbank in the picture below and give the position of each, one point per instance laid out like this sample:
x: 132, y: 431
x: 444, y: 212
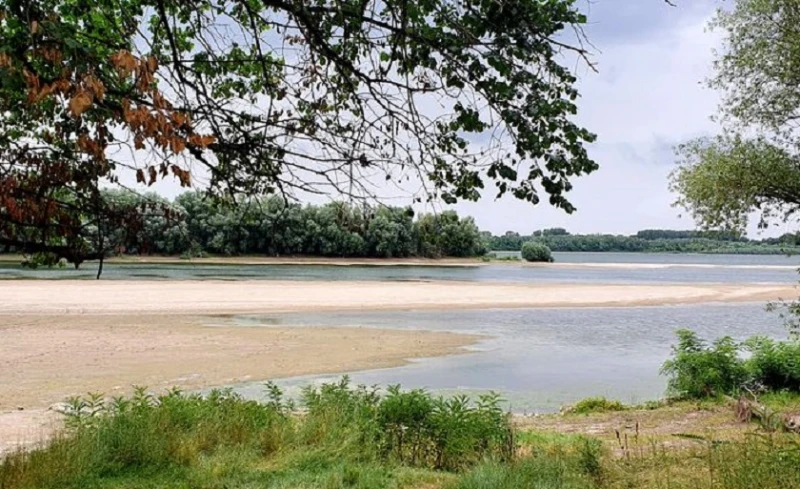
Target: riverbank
x: 47, y: 358
x: 274, y: 260
x: 349, y: 439
x: 587, y: 260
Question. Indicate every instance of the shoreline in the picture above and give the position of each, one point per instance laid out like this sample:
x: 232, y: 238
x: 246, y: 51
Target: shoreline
x: 44, y: 359
x: 471, y: 262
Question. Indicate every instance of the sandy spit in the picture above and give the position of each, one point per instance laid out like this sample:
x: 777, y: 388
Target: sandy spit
x: 227, y: 297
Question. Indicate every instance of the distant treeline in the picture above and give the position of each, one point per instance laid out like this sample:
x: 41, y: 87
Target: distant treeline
x: 649, y: 240
x: 195, y: 225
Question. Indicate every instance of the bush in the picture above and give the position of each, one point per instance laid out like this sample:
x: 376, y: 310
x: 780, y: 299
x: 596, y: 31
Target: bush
x: 37, y: 260
x: 698, y: 370
x: 595, y: 405
x: 537, y: 252
x: 774, y: 365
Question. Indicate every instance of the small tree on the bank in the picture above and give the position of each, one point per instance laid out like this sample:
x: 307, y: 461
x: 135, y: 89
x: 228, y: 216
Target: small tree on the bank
x: 535, y: 251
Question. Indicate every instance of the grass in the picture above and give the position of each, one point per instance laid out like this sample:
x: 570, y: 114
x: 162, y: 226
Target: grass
x: 349, y: 437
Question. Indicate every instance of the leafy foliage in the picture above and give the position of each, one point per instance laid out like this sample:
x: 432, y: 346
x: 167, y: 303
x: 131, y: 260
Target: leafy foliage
x: 412, y: 427
x: 176, y: 434
x: 774, y: 364
x: 287, y: 97
x: 272, y: 226
x: 753, y: 164
x: 698, y: 370
x: 221, y: 440
x: 655, y: 241
x: 536, y: 251
x: 721, y: 181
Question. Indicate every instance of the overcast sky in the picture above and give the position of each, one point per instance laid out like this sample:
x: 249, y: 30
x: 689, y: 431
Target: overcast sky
x: 648, y: 96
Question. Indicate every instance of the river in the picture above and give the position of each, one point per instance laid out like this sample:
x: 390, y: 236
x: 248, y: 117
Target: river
x: 636, y: 268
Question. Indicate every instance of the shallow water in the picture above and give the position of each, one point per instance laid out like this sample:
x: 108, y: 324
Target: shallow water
x: 633, y: 268
x: 541, y: 359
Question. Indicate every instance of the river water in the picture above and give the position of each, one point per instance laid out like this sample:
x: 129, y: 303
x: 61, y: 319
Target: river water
x: 636, y: 268
x: 541, y: 359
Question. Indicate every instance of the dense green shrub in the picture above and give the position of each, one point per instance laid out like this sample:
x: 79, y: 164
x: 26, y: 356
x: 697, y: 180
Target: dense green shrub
x: 37, y: 260
x: 535, y: 251
x: 412, y: 427
x: 774, y: 365
x: 699, y: 370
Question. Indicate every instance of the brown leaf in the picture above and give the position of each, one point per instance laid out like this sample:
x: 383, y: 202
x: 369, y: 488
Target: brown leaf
x: 95, y: 86
x: 139, y: 176
x: 153, y: 175
x: 177, y: 144
x: 80, y: 102
x: 202, y: 141
x: 30, y: 79
x: 125, y: 63
x: 152, y: 64
x: 179, y: 118
x: 159, y: 102
x: 184, y: 176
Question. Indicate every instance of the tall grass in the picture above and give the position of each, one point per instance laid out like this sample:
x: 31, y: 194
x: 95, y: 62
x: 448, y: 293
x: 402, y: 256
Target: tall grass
x: 346, y: 434
x: 351, y: 437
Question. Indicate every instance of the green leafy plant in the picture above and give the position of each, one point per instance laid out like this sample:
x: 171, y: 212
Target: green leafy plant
x: 537, y: 252
x: 774, y: 365
x: 697, y: 370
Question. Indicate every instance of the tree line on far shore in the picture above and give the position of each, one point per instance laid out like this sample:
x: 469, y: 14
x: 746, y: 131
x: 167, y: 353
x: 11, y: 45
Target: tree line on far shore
x: 650, y: 240
x: 193, y: 225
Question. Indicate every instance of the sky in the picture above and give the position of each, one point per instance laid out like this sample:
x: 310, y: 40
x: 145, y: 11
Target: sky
x: 647, y: 96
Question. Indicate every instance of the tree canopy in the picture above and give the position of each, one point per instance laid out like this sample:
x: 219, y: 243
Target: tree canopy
x: 754, y: 165
x: 274, y: 227
x: 439, y: 98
